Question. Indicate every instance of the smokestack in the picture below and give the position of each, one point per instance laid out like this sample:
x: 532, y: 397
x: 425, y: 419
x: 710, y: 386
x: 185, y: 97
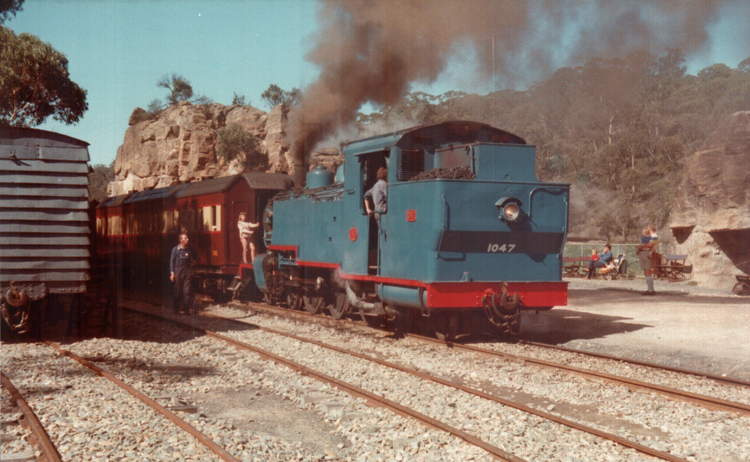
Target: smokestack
x: 299, y: 155
x: 372, y: 51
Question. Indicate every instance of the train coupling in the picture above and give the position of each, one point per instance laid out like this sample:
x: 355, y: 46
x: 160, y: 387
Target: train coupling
x: 502, y: 309
x: 16, y: 298
x: 15, y: 309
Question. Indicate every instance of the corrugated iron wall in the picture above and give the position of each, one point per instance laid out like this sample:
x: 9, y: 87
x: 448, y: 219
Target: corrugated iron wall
x: 44, y: 212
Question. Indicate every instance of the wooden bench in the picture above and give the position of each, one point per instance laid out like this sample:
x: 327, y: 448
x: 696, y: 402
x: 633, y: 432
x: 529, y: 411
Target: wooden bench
x: 573, y: 267
x: 673, y: 268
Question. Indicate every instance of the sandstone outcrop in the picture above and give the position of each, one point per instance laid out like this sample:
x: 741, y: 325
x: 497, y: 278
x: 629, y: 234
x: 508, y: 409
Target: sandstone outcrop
x: 180, y: 145
x: 711, y: 213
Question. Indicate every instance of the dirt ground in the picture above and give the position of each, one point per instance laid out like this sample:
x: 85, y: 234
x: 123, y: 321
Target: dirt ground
x: 685, y: 326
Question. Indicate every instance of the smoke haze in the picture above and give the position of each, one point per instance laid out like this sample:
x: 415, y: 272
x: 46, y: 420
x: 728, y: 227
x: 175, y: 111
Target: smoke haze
x: 372, y: 51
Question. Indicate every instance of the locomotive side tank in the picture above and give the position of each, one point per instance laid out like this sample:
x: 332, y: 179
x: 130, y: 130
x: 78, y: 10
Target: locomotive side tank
x: 468, y: 229
x: 44, y: 226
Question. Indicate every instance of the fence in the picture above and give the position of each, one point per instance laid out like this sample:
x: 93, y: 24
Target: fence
x: 634, y: 264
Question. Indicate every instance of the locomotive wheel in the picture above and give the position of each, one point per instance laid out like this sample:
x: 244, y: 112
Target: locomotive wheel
x: 293, y: 298
x: 268, y: 299
x: 312, y: 303
x: 341, y: 307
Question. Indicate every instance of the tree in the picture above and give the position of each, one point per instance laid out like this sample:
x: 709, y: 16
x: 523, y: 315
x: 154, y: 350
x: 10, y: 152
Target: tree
x: 238, y: 99
x: 9, y: 8
x: 100, y: 177
x: 179, y: 90
x: 35, y: 83
x: 236, y: 143
x: 274, y: 96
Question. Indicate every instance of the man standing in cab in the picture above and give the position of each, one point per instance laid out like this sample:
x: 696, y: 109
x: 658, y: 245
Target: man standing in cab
x: 181, y: 268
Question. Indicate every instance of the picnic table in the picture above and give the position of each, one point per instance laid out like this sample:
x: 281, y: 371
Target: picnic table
x: 673, y: 268
x: 573, y: 267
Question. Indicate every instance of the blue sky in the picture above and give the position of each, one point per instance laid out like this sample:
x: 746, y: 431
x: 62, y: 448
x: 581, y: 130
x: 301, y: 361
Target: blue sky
x: 118, y: 50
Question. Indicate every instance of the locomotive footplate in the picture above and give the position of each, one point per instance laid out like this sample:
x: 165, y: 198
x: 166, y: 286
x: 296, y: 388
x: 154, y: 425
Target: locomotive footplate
x: 532, y: 295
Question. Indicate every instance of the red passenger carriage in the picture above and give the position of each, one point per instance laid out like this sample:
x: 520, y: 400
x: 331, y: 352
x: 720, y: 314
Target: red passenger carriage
x: 137, y: 231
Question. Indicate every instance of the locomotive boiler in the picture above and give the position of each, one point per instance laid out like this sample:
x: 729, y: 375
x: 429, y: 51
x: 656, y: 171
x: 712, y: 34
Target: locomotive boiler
x: 470, y: 237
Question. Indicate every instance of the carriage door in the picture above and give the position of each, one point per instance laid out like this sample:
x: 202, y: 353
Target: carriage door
x: 369, y: 165
x: 233, y: 233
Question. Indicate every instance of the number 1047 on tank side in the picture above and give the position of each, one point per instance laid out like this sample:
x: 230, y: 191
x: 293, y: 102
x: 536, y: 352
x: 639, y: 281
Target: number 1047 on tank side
x: 466, y: 238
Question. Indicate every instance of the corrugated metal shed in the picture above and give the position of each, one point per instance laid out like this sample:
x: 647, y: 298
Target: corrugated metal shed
x: 44, y: 212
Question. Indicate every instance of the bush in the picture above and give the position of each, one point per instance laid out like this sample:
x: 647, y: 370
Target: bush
x: 99, y: 177
x: 236, y: 143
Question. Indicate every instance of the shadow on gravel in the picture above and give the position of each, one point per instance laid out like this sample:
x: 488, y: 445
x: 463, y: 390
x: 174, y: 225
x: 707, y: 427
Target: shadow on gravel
x: 561, y: 326
x: 591, y: 297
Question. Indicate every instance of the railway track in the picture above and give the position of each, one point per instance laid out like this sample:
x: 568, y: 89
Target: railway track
x: 479, y: 393
x: 672, y: 393
x: 90, y: 418
x: 716, y: 378
x: 39, y: 434
x: 201, y: 437
x: 357, y: 392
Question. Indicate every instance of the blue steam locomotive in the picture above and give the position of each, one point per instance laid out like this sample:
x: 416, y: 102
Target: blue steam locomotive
x: 469, y: 238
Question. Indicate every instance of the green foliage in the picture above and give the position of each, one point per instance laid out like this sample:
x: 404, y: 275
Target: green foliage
x: 238, y: 99
x: 35, y: 84
x: 179, y: 90
x: 100, y: 176
x: 274, y: 96
x: 236, y: 143
x: 619, y: 128
x: 9, y: 8
x: 155, y: 107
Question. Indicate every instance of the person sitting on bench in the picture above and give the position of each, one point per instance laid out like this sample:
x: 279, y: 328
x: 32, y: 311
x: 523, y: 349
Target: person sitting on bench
x: 604, y: 259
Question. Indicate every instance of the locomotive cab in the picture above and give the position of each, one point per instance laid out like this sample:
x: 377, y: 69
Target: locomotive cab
x: 467, y: 222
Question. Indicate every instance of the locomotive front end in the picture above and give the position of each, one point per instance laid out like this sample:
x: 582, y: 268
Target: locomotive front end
x: 479, y: 233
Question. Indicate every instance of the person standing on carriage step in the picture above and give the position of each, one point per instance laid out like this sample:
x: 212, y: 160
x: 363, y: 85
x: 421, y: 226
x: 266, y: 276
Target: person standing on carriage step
x: 181, y: 268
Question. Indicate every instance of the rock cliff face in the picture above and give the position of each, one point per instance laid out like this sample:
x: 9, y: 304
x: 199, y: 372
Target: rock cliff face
x: 711, y: 213
x: 180, y: 145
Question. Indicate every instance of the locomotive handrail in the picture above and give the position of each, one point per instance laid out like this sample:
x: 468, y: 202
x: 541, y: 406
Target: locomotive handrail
x: 445, y: 226
x: 557, y: 189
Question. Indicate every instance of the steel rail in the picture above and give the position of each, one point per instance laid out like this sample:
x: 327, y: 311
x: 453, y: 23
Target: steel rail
x: 205, y: 440
x: 708, y: 402
x: 49, y: 451
x: 424, y: 376
x: 714, y: 377
x: 372, y: 398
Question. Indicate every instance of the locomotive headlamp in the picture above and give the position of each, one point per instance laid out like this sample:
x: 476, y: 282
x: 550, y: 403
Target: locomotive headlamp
x: 511, y: 211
